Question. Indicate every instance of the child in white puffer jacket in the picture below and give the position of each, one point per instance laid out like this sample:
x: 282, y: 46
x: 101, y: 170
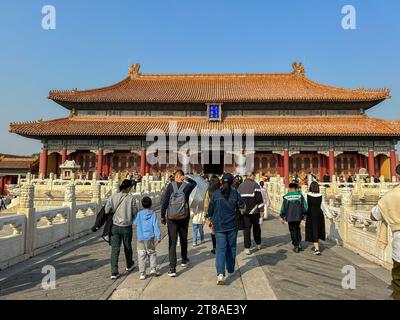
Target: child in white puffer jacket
x: 198, y: 220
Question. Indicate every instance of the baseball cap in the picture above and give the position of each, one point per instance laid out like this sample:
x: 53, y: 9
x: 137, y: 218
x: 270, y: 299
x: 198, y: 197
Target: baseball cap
x: 227, y: 177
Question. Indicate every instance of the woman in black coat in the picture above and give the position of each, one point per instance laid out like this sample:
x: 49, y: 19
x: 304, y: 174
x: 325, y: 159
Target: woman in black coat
x: 315, y: 220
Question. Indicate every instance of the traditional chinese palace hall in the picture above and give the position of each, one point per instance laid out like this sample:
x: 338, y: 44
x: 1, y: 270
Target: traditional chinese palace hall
x: 300, y: 126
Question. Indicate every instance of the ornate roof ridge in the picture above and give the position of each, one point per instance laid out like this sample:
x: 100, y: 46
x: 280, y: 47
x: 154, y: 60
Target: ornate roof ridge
x: 351, y: 125
x: 224, y: 87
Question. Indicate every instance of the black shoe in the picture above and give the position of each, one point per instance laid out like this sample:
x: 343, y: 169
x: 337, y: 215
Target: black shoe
x: 213, y: 251
x: 296, y: 249
x: 301, y: 248
x: 172, y: 272
x: 316, y: 252
x: 185, y: 262
x: 115, y: 276
x: 129, y: 269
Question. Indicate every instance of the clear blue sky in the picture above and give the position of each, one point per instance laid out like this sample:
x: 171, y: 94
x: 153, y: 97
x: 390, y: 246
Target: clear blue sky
x: 95, y: 41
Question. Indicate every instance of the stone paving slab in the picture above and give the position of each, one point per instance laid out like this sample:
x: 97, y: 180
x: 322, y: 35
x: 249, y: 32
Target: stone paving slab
x: 300, y: 276
x: 197, y: 281
x: 82, y: 272
x: 274, y: 272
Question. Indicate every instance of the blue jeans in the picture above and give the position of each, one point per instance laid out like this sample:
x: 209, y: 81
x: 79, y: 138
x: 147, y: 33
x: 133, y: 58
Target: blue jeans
x: 200, y: 229
x: 225, y: 251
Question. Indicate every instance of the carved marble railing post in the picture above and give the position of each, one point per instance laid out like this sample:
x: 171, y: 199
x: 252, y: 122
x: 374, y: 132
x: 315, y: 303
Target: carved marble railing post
x: 50, y: 181
x: 115, y: 186
x: 146, y: 187
x: 27, y: 208
x: 70, y: 202
x: 346, y: 196
x: 334, y: 185
x: 28, y: 178
x: 345, y: 209
x: 358, y: 187
x: 96, y: 193
x: 138, y: 187
x: 382, y: 182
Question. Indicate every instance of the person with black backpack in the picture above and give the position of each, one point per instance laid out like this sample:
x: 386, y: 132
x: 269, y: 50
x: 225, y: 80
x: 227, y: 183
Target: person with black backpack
x: 175, y: 213
x: 223, y: 212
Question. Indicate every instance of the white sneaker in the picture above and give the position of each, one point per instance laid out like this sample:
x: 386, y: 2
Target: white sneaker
x: 155, y: 272
x: 142, y: 276
x: 259, y: 247
x: 220, y: 279
x: 247, y: 251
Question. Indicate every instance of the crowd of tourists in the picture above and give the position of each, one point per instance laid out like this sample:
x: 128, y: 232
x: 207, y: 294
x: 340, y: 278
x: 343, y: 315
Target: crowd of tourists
x: 231, y: 204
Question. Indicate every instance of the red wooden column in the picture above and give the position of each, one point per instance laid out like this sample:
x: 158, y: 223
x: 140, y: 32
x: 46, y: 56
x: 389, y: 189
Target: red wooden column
x: 286, y: 166
x: 143, y: 162
x: 64, y: 155
x: 64, y: 158
x: 393, y: 163
x: 2, y: 191
x: 331, y: 163
x: 43, y: 162
x: 107, y: 165
x: 148, y: 168
x: 99, y: 163
x: 371, y: 163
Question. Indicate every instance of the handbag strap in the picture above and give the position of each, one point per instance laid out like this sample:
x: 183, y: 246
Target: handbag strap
x: 120, y: 202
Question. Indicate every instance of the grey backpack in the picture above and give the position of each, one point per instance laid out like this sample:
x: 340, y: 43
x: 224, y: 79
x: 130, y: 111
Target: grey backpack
x: 178, y: 207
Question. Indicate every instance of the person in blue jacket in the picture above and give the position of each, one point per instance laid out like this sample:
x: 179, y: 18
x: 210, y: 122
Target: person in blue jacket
x: 148, y: 235
x: 223, y: 211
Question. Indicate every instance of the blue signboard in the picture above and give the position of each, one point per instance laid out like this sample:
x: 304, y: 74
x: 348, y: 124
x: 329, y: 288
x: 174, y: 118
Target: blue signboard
x: 214, y: 112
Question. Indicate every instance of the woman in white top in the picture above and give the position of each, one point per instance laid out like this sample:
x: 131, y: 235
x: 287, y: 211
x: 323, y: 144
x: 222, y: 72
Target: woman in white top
x: 315, y: 220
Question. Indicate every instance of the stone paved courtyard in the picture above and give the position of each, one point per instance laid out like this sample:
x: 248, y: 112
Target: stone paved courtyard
x: 274, y: 272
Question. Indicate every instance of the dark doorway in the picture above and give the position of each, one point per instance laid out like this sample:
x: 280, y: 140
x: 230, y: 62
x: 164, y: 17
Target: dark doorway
x: 216, y: 167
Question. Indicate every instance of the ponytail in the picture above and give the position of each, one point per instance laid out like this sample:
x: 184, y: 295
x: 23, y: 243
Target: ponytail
x: 226, y: 189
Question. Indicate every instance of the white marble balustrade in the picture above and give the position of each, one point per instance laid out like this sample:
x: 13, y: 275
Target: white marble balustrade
x: 65, y: 218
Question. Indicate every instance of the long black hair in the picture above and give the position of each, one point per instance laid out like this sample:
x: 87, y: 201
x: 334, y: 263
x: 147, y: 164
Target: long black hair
x: 314, y: 187
x: 125, y: 185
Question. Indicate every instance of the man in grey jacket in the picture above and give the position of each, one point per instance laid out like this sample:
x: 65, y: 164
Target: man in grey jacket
x: 124, y: 207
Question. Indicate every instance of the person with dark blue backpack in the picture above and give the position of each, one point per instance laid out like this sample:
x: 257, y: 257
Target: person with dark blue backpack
x: 175, y: 213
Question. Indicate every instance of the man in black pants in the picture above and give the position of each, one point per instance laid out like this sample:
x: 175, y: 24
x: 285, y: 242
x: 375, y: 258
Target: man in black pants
x: 250, y: 191
x: 177, y: 227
